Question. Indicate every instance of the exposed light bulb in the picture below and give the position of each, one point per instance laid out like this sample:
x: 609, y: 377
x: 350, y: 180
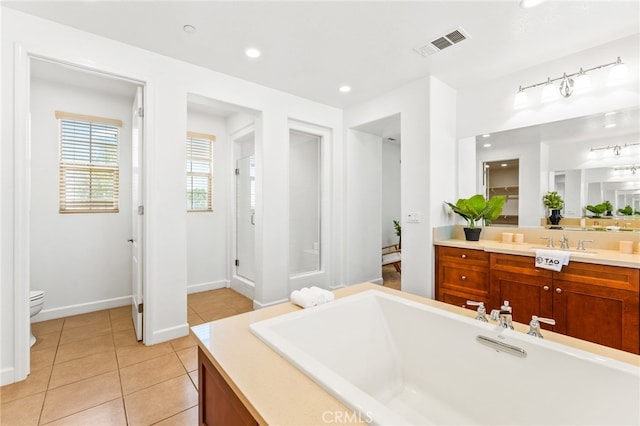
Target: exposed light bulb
x: 521, y: 99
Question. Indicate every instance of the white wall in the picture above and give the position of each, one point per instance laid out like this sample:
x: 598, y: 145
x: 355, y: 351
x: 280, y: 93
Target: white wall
x: 207, y: 232
x: 82, y: 261
x: 168, y: 83
x: 390, y: 190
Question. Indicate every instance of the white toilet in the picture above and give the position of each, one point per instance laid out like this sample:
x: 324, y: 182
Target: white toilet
x: 36, y: 300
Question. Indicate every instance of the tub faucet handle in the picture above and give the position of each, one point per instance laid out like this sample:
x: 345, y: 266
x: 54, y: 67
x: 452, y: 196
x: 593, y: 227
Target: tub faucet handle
x: 481, y: 312
x: 534, y: 325
x: 504, y: 315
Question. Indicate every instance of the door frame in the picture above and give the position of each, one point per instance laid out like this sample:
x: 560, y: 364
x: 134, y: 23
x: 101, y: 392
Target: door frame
x: 22, y: 195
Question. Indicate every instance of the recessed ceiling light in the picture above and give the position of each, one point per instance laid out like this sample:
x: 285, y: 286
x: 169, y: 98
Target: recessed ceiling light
x: 486, y: 145
x: 610, y: 113
x: 527, y: 4
x: 610, y: 125
x: 345, y: 89
x: 503, y: 165
x: 486, y: 135
x: 189, y: 29
x: 252, y: 52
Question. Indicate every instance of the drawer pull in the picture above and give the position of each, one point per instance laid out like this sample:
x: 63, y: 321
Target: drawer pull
x: 463, y: 277
x: 558, y: 290
x: 545, y: 288
x: 464, y: 256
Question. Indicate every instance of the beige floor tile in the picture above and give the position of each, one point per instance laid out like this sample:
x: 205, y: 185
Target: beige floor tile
x: 144, y: 374
x: 36, y: 382
x: 189, y: 358
x: 183, y: 342
x: 194, y: 378
x: 46, y: 327
x: 125, y: 338
x: 185, y: 418
x: 23, y: 411
x: 43, y: 357
x: 132, y: 354
x: 79, y: 396
x: 109, y: 413
x: 160, y: 401
x: 225, y: 312
x: 84, y: 348
x: 84, y: 320
x: 194, y: 319
x: 122, y: 324
x: 75, y: 334
x: 45, y: 341
x: 82, y: 368
x: 121, y: 312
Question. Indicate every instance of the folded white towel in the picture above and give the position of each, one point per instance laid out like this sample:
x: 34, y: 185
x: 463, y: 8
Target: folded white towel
x: 308, y: 297
x: 551, y: 259
x: 304, y: 300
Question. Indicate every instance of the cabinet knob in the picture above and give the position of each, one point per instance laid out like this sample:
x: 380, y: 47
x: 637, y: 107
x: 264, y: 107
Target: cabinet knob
x: 545, y: 288
x: 464, y: 256
x: 464, y: 277
x: 558, y: 290
x: 464, y: 306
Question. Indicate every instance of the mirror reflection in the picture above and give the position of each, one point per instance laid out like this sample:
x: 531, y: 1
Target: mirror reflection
x: 588, y: 160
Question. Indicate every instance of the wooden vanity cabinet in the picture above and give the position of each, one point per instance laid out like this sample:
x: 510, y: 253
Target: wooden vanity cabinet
x: 463, y: 274
x: 218, y: 405
x: 598, y: 303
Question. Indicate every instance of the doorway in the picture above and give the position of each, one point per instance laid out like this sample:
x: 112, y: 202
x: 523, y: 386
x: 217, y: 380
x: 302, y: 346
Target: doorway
x: 501, y: 177
x: 245, y: 206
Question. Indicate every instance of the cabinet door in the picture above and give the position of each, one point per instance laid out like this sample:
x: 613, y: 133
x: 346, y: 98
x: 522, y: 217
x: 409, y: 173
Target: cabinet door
x: 527, y: 294
x: 598, y: 314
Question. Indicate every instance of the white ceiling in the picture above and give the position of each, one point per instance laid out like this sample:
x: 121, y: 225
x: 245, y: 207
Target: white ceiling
x: 311, y: 48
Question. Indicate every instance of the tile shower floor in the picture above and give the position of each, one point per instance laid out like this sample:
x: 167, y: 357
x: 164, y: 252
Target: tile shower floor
x: 90, y: 370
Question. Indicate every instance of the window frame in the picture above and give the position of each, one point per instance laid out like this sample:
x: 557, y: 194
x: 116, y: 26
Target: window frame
x: 93, y: 171
x: 190, y: 174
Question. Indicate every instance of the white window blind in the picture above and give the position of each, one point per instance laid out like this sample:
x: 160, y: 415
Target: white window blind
x: 89, y: 171
x: 199, y: 171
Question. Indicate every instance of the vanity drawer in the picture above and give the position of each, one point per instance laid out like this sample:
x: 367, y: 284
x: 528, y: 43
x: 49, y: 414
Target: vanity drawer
x: 463, y: 256
x: 517, y: 264
x: 616, y: 277
x: 466, y: 278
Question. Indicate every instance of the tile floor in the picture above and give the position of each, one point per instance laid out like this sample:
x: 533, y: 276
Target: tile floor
x: 89, y: 370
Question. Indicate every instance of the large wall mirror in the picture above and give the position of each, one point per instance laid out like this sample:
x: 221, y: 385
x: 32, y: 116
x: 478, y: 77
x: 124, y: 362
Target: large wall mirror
x: 587, y: 160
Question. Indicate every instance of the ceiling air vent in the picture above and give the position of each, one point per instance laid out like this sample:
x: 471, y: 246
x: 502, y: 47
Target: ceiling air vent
x: 439, y: 43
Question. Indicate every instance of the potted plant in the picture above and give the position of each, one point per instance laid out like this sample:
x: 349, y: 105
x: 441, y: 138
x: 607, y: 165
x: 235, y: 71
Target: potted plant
x: 597, y: 210
x: 475, y: 209
x: 627, y: 211
x: 608, y: 208
x: 398, y: 228
x: 554, y: 202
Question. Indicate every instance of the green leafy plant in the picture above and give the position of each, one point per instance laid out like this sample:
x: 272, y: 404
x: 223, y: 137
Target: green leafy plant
x: 608, y: 206
x: 553, y: 201
x: 597, y: 210
x: 398, y: 228
x: 627, y: 211
x: 477, y: 208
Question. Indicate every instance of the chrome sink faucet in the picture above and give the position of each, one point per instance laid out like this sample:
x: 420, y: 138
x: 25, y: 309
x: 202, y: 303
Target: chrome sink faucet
x: 549, y: 241
x: 565, y: 242
x: 504, y: 315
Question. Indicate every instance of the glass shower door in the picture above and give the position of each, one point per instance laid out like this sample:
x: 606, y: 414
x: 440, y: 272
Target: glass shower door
x: 245, y: 217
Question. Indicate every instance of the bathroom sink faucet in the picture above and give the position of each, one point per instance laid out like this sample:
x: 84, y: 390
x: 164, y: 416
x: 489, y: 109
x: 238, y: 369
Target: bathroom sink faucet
x: 504, y: 315
x: 549, y: 241
x: 565, y: 242
x: 581, y: 243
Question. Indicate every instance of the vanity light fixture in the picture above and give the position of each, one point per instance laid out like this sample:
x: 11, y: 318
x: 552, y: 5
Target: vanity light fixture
x: 617, y: 149
x: 633, y: 169
x: 572, y: 83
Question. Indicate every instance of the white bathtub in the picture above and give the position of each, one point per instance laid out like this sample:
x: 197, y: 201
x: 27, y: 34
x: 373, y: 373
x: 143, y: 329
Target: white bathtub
x: 398, y: 362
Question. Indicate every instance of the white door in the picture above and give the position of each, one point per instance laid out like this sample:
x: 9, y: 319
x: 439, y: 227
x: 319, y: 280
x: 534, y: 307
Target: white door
x: 137, y: 210
x: 245, y: 220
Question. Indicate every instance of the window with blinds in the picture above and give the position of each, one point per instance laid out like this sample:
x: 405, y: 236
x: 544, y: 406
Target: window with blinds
x: 199, y: 171
x: 89, y: 171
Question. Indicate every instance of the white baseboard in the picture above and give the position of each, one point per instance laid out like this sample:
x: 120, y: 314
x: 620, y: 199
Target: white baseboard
x: 167, y: 334
x: 7, y: 376
x: 336, y: 287
x: 244, y: 287
x: 258, y: 305
x: 212, y: 285
x: 80, y: 308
